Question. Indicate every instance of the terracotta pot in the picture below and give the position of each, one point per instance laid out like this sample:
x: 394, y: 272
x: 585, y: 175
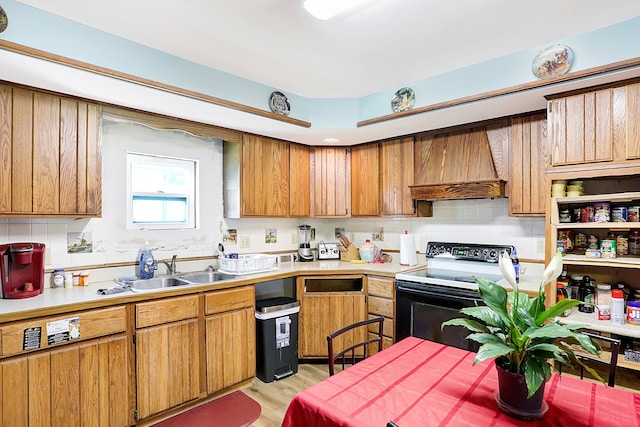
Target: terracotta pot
x: 513, y: 394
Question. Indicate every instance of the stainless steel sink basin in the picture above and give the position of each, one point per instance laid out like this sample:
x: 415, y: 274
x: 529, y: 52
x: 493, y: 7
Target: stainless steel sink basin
x: 194, y: 278
x: 201, y: 277
x: 157, y: 283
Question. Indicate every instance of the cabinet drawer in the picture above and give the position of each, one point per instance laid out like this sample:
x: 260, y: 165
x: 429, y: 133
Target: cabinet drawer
x: 381, y: 286
x: 94, y: 323
x: 166, y: 311
x: 387, y: 327
x: 228, y: 300
x: 381, y: 306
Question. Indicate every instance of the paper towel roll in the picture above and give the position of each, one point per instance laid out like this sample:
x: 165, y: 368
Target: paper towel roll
x: 408, y: 250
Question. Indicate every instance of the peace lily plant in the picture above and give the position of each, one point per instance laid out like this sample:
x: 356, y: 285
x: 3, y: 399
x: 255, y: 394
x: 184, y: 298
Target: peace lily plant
x: 519, y: 331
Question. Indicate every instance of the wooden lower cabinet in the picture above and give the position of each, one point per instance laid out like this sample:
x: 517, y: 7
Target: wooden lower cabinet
x: 167, y: 354
x: 322, y: 313
x: 75, y: 384
x: 381, y: 302
x: 230, y: 334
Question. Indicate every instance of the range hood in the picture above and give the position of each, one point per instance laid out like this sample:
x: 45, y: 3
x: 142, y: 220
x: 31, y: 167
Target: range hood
x: 462, y: 164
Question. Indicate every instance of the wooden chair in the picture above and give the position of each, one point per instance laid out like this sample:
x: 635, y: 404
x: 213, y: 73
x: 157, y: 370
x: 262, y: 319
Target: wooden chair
x: 350, y: 353
x: 612, y: 363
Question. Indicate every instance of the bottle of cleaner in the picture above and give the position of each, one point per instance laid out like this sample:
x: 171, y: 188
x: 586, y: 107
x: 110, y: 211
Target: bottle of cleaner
x: 146, y: 265
x: 516, y: 264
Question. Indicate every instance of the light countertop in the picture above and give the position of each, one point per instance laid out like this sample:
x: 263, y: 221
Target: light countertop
x: 61, y: 300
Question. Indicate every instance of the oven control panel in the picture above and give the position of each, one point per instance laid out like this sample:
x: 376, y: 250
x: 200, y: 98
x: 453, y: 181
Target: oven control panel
x: 467, y: 251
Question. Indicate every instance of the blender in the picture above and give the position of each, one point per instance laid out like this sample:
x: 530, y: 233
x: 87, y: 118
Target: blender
x: 304, y: 237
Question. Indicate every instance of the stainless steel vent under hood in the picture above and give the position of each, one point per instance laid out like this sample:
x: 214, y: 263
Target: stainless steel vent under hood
x: 462, y: 164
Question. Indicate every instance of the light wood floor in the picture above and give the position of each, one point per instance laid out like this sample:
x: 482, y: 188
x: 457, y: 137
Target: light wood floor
x: 274, y: 397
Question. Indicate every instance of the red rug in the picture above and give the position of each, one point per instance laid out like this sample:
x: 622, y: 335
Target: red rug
x: 233, y: 410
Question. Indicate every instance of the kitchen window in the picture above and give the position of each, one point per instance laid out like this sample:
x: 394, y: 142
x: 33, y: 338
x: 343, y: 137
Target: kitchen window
x: 161, y: 192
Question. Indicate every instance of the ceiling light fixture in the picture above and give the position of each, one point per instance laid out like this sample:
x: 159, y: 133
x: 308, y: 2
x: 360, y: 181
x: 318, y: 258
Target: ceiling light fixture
x: 327, y: 9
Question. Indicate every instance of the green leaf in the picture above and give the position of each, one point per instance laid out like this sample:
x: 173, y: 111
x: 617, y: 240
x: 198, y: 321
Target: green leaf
x: 492, y: 350
x: 550, y: 331
x: 484, y: 314
x: 470, y: 324
x: 533, y: 375
x: 556, y: 310
x: 495, y: 297
x: 485, y: 338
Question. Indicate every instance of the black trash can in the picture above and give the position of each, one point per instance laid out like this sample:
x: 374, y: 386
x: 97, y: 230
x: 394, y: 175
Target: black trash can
x: 277, y: 338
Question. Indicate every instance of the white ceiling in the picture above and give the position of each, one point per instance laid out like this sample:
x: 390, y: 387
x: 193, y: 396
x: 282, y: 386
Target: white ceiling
x: 388, y: 44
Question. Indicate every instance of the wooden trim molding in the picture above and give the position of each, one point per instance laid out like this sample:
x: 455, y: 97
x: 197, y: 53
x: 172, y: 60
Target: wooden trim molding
x: 63, y: 60
x: 589, y: 72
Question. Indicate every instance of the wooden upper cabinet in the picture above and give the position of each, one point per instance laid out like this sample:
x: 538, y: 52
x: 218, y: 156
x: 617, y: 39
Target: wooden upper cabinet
x: 299, y: 180
x: 264, y: 177
x: 396, y: 175
x: 632, y: 122
x: 529, y: 158
x: 51, y: 159
x: 330, y: 184
x: 596, y: 127
x: 582, y: 128
x: 365, y: 176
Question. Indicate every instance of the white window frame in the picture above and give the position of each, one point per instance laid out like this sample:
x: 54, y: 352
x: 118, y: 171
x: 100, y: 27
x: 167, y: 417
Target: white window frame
x: 191, y: 195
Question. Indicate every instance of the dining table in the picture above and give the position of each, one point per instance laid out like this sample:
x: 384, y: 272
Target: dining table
x: 415, y: 383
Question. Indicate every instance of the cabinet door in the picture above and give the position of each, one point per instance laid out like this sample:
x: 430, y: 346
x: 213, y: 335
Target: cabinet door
x: 167, y: 366
x: 396, y: 175
x: 365, y: 180
x: 582, y: 128
x: 51, y: 159
x: 330, y: 181
x: 323, y: 313
x: 527, y: 183
x: 300, y: 180
x: 230, y: 348
x: 82, y: 384
x: 632, y: 132
x: 265, y: 177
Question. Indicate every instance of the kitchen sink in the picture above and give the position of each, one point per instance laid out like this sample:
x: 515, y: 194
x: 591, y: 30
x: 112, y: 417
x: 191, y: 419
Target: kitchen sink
x: 157, y: 283
x: 194, y: 278
x: 202, y: 277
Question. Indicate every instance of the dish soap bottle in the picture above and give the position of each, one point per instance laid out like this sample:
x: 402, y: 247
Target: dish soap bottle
x: 516, y: 264
x: 146, y: 264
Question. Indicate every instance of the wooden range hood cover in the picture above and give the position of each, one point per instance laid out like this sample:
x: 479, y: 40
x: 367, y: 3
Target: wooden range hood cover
x: 466, y: 164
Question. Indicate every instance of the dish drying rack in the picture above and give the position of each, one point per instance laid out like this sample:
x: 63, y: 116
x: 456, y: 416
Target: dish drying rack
x: 248, y: 264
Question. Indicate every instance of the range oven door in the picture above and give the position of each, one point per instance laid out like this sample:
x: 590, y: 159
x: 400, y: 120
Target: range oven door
x: 421, y: 309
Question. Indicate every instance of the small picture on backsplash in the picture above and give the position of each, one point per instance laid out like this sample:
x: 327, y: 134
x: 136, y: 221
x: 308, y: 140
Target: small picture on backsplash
x: 339, y: 232
x: 230, y: 236
x: 378, y: 234
x: 271, y: 235
x: 79, y: 243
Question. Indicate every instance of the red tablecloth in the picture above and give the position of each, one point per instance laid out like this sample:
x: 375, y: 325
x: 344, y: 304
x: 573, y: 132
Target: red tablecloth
x: 420, y: 383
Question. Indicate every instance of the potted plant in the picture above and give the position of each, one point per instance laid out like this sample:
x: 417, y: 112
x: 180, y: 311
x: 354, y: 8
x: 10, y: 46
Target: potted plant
x: 519, y: 332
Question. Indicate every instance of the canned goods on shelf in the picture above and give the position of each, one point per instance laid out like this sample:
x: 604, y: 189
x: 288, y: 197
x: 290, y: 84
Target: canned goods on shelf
x: 619, y: 214
x: 602, y: 212
x: 633, y: 214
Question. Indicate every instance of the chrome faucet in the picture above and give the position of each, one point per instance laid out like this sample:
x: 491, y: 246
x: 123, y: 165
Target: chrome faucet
x: 171, y: 267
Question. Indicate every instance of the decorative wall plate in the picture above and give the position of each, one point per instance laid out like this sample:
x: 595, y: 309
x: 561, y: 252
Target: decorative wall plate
x: 4, y: 20
x: 404, y: 99
x: 279, y: 104
x: 552, y: 61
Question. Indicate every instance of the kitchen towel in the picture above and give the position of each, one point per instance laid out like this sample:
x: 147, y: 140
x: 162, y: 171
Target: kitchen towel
x: 408, y: 250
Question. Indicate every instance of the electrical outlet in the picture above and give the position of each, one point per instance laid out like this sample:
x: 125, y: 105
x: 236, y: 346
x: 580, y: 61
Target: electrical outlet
x: 352, y: 237
x: 540, y: 245
x: 245, y: 242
